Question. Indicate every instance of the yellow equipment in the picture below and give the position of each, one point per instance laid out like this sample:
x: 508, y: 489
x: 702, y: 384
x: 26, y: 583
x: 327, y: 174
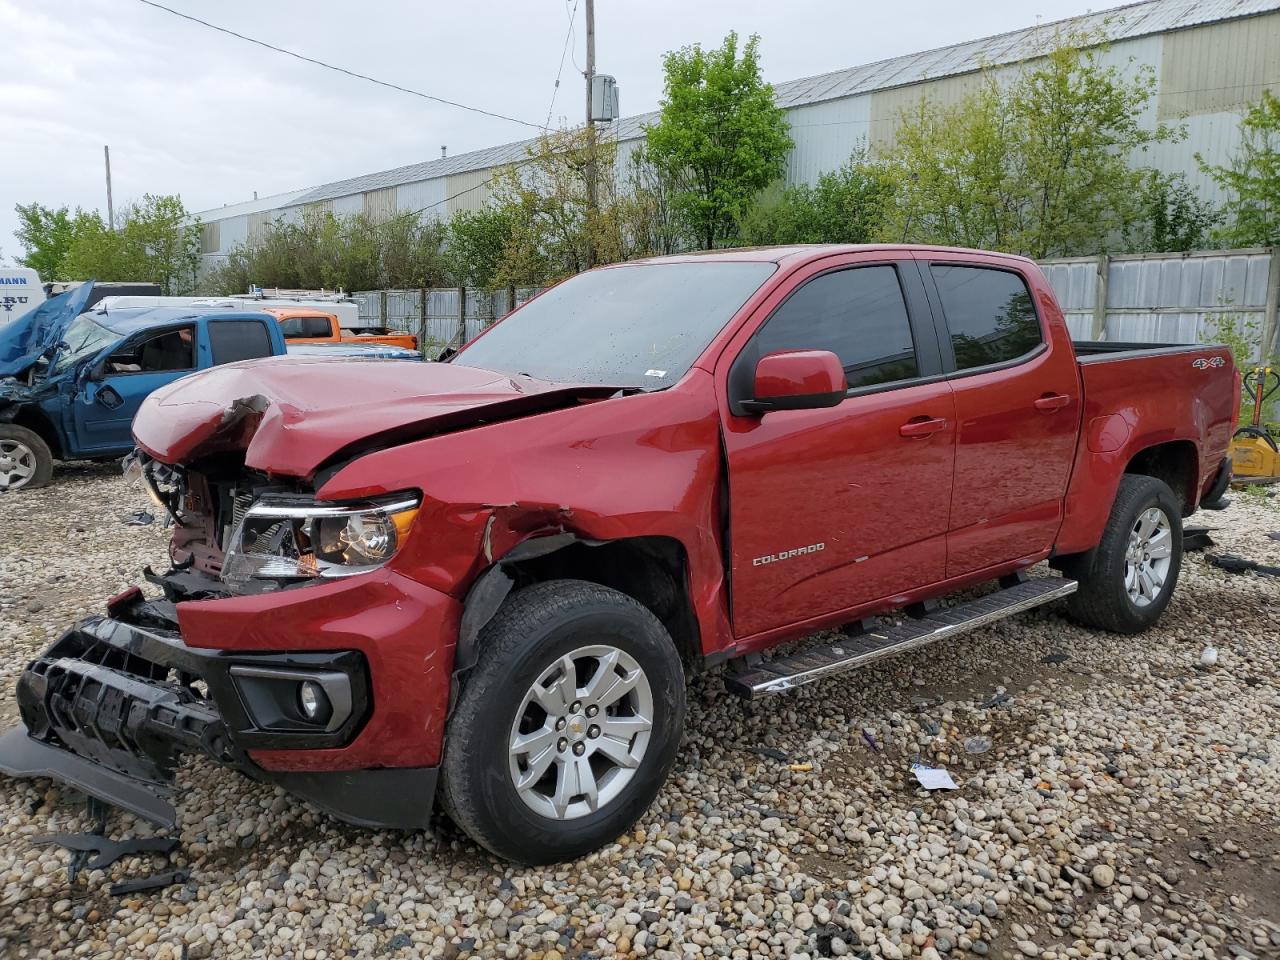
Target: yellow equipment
x: 1255, y: 454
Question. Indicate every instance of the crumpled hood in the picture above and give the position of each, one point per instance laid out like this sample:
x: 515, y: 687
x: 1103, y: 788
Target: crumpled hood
x: 292, y: 414
x: 23, y: 341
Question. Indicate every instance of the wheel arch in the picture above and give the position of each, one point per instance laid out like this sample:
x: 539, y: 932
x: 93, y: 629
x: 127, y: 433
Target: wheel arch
x: 653, y: 570
x: 34, y: 419
x: 1177, y: 463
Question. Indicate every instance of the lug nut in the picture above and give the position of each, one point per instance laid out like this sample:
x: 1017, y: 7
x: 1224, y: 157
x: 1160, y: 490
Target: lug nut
x: 562, y: 745
x: 560, y: 723
x: 592, y: 710
x: 579, y: 748
x: 577, y: 706
x: 593, y: 731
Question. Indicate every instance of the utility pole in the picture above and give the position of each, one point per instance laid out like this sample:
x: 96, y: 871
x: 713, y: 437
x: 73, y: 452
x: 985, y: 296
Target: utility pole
x: 111, y: 215
x: 590, y: 72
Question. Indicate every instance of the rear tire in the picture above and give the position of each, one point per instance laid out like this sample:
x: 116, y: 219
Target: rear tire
x: 25, y: 460
x: 567, y: 726
x: 1128, y: 579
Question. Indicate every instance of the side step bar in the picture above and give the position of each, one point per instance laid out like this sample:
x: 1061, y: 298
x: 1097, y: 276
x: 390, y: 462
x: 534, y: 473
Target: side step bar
x: 815, y: 663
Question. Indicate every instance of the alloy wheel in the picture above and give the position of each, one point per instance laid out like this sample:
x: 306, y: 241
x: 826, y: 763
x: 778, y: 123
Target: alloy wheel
x: 581, y: 732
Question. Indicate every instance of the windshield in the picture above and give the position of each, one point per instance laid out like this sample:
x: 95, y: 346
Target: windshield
x: 631, y: 326
x: 83, y: 338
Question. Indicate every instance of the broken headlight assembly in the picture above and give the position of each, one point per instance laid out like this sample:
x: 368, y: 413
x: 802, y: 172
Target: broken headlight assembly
x: 291, y: 538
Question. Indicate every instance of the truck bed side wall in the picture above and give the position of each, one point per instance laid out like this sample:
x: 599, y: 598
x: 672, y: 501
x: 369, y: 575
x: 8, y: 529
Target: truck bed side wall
x: 1133, y: 402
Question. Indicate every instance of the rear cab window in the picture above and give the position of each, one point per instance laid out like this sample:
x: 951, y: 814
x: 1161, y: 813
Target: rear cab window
x: 232, y: 340
x: 990, y: 314
x: 306, y: 327
x: 859, y: 314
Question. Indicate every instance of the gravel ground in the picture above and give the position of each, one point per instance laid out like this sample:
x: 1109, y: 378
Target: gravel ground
x: 1126, y: 807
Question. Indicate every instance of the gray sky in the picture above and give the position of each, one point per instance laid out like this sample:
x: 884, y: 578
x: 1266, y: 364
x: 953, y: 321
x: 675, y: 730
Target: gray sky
x: 190, y: 111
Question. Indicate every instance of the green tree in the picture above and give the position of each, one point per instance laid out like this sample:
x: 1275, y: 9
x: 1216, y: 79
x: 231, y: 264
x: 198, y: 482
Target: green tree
x: 477, y: 244
x: 1251, y: 180
x: 1174, y: 218
x: 45, y: 234
x: 1039, y: 165
x: 156, y: 241
x: 319, y: 250
x: 720, y: 131
x: 845, y: 206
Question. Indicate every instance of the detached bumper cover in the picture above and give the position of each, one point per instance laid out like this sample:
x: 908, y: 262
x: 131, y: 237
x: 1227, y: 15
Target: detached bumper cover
x: 112, y: 706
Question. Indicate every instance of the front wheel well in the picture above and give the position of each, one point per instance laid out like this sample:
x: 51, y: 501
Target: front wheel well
x: 34, y: 420
x: 1177, y: 464
x: 651, y: 570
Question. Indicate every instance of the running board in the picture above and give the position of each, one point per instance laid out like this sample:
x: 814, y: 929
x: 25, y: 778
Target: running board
x: 815, y: 663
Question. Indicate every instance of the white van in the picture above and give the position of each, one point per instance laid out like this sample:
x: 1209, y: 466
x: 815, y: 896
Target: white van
x: 20, y: 292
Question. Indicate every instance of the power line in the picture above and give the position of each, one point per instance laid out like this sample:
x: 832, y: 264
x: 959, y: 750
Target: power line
x: 337, y: 69
x: 560, y: 72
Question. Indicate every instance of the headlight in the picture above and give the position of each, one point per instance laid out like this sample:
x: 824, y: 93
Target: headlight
x: 296, y: 538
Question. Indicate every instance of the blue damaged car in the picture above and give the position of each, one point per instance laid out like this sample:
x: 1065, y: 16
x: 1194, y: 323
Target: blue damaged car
x: 71, y: 382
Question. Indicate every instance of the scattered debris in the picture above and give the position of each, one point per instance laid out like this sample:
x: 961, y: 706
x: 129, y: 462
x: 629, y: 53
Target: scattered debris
x: 1275, y: 535
x: 1197, y: 538
x: 800, y: 767
x: 871, y: 740
x: 977, y: 744
x: 1234, y: 564
x: 140, y: 518
x: 1209, y: 656
x: 770, y: 752
x: 157, y: 881
x: 933, y: 778
x: 1055, y: 658
x: 999, y: 700
x: 104, y: 850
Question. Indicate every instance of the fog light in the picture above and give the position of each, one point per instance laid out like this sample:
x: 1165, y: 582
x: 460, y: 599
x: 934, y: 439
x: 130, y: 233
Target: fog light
x: 312, y: 700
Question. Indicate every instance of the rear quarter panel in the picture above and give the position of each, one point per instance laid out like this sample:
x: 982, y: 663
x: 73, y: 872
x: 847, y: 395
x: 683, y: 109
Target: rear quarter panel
x: 1134, y: 401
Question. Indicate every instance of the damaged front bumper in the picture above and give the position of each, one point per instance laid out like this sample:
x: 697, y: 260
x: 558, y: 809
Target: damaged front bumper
x: 114, y: 703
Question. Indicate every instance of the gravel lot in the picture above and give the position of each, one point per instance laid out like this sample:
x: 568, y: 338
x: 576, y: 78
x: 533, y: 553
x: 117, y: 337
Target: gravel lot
x: 1127, y: 807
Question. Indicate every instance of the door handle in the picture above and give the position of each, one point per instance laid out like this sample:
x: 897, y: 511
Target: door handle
x: 1051, y: 402
x: 922, y: 427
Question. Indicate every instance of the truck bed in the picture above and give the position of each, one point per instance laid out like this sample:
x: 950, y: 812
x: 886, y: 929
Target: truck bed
x: 1139, y: 395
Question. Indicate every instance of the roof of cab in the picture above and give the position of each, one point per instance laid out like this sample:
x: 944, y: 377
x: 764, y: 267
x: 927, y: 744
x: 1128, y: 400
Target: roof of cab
x: 804, y: 252
x: 126, y: 320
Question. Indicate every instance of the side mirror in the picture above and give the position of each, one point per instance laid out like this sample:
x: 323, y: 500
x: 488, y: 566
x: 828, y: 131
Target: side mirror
x: 797, y: 380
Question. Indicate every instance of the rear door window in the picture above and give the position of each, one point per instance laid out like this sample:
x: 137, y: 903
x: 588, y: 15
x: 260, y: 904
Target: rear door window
x: 859, y: 314
x: 233, y: 340
x: 305, y: 328
x: 990, y: 314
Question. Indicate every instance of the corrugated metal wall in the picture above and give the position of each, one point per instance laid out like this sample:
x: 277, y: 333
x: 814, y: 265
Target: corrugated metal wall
x: 1205, y: 74
x: 1168, y: 298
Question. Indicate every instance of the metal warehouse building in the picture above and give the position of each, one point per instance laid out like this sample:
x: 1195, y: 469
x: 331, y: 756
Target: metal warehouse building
x: 1210, y: 58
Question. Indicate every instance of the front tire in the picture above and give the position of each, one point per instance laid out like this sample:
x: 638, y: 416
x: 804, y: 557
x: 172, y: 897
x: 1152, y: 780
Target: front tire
x: 567, y: 726
x: 25, y: 460
x: 1128, y: 579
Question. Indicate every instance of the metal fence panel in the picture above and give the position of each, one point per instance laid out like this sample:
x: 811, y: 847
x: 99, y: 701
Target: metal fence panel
x: 1169, y: 297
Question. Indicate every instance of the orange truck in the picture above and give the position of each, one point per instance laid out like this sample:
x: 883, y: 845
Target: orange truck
x: 310, y: 325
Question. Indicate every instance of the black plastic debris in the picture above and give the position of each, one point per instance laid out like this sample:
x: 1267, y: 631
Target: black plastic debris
x: 1234, y: 564
x: 1275, y: 535
x: 999, y: 700
x: 1055, y: 658
x: 770, y: 752
x: 1197, y: 538
x: 157, y: 881
x: 101, y: 852
x: 139, y: 518
x: 871, y: 740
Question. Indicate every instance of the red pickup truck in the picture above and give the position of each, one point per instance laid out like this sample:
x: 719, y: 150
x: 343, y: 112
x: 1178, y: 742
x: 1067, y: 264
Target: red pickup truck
x: 484, y: 580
